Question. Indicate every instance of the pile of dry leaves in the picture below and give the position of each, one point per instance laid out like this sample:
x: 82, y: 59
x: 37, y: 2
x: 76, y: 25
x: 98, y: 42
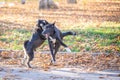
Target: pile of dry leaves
x: 80, y: 60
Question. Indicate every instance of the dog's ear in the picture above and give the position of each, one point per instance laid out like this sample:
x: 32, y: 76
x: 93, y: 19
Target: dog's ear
x: 38, y: 23
x: 45, y: 22
x: 53, y: 23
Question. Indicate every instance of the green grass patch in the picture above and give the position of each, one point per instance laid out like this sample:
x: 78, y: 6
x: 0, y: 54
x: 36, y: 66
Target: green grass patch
x: 104, y: 37
x: 14, y: 38
x: 97, y: 38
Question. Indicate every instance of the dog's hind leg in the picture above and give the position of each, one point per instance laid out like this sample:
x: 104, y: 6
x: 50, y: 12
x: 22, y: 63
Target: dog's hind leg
x: 68, y: 33
x: 25, y: 57
x: 30, y: 58
x: 25, y: 52
x: 66, y: 47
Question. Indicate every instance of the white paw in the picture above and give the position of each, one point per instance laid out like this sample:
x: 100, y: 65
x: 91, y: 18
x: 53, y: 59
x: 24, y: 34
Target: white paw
x: 68, y: 49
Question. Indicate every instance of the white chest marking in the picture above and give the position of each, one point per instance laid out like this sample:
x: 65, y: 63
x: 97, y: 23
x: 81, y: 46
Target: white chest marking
x: 53, y: 40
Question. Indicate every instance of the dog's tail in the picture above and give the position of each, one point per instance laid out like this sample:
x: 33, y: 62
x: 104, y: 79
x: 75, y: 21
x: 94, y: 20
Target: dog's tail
x: 68, y: 33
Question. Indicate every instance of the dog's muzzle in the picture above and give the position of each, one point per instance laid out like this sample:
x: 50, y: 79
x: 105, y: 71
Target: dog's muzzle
x: 46, y: 36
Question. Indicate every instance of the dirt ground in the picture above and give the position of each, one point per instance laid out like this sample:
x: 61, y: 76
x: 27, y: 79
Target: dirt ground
x: 22, y: 73
x: 68, y: 67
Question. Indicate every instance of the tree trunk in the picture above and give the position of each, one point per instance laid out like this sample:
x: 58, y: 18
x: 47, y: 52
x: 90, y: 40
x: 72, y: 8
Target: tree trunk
x: 22, y: 1
x: 47, y: 4
x: 72, y: 1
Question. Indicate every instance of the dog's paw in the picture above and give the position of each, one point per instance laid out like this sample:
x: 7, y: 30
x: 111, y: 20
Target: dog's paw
x: 68, y: 49
x: 22, y: 62
x: 53, y: 63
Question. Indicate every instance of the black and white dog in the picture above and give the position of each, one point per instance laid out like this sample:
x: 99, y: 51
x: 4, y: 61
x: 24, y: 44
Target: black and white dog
x: 37, y: 40
x: 55, y: 37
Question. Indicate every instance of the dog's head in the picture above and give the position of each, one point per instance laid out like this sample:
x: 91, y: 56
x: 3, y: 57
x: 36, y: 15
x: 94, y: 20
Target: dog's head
x: 41, y: 24
x: 48, y: 30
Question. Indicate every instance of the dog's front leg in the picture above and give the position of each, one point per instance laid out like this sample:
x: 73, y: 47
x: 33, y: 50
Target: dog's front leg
x: 51, y: 50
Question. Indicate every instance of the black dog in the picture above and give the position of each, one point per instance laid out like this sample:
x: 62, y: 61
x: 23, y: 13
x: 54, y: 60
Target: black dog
x: 55, y: 36
x: 36, y: 40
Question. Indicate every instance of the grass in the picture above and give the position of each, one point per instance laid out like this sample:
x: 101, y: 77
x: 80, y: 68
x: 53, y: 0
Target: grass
x: 103, y: 38
x: 97, y: 38
x: 14, y: 38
